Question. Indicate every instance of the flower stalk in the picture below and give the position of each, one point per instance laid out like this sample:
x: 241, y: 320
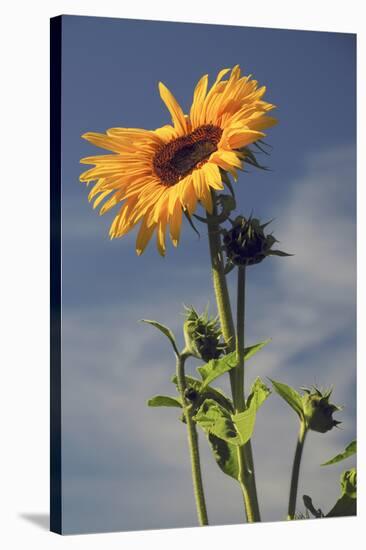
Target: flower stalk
x: 192, y: 442
x: 245, y: 460
x: 296, y: 470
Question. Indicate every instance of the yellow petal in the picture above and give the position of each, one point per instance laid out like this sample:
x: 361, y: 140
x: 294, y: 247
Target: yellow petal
x: 198, y: 99
x: 227, y: 160
x: 241, y: 138
x: 161, y: 233
x: 143, y: 237
x: 102, y: 196
x: 176, y: 223
x: 213, y: 176
x: 105, y: 142
x: 166, y: 133
x: 178, y: 118
x: 206, y: 198
x: 261, y: 123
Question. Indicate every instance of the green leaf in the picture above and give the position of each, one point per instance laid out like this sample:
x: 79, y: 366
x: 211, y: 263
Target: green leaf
x: 164, y: 401
x: 350, y: 450
x: 216, y: 420
x: 207, y: 392
x: 217, y: 367
x: 225, y: 453
x: 258, y: 393
x: 165, y: 330
x: 226, y: 456
x: 252, y: 350
x: 244, y: 423
x: 346, y: 505
x: 291, y: 396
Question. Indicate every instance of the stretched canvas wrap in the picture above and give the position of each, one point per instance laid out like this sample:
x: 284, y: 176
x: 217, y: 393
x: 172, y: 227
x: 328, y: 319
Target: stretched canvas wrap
x: 203, y: 275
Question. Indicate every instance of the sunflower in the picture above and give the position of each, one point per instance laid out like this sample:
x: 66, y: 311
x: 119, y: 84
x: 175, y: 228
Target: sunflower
x: 155, y: 175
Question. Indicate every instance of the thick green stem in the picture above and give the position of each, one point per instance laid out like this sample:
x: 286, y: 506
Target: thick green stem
x: 245, y: 459
x: 247, y: 474
x: 296, y: 470
x: 193, y: 444
x: 240, y: 338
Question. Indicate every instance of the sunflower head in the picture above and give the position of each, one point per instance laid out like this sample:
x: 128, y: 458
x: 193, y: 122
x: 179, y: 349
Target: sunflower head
x: 247, y: 244
x: 318, y: 412
x: 152, y: 176
x: 203, y: 336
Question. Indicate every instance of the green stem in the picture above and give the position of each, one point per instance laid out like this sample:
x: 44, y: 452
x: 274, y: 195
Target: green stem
x: 193, y: 444
x: 245, y: 459
x: 296, y: 470
x: 247, y: 475
x: 240, y: 337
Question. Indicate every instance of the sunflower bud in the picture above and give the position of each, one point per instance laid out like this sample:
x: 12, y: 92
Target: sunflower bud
x: 318, y: 411
x: 203, y: 335
x: 246, y: 243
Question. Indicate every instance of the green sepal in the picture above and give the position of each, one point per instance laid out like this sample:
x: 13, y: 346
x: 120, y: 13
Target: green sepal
x: 225, y: 178
x: 217, y: 367
x: 190, y: 221
x: 350, y: 450
x: 165, y: 330
x: 290, y: 395
x: 164, y: 401
x: 278, y: 253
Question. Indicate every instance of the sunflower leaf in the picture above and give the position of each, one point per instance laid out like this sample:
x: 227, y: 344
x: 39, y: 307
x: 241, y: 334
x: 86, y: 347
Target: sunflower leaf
x: 216, y: 420
x: 291, y: 396
x: 350, y: 450
x: 225, y: 452
x: 244, y: 423
x: 226, y: 455
x: 258, y: 394
x: 165, y: 330
x: 217, y: 367
x: 164, y: 401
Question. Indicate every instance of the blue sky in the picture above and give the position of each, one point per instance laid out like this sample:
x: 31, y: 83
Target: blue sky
x: 126, y: 466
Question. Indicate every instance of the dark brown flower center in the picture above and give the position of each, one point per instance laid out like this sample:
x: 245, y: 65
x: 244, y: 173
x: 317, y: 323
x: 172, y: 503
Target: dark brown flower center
x: 177, y: 159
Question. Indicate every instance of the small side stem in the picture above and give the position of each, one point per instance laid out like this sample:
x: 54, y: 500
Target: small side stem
x: 296, y: 470
x: 193, y: 444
